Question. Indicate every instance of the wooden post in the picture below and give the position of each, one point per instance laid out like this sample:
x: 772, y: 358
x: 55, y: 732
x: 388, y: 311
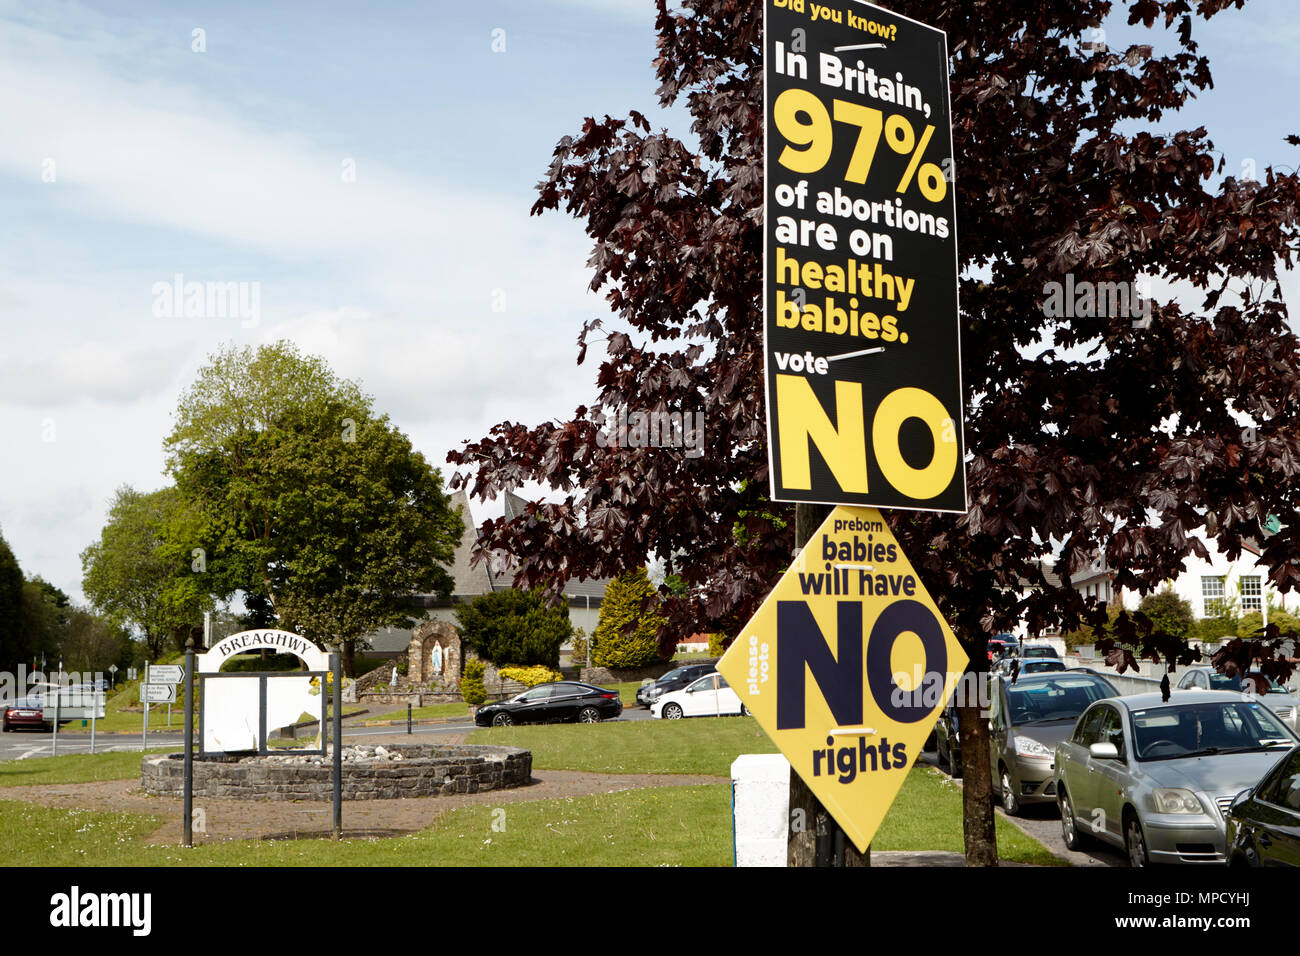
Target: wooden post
x: 815, y: 839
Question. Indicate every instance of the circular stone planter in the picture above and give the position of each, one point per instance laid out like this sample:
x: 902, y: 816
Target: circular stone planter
x: 369, y: 773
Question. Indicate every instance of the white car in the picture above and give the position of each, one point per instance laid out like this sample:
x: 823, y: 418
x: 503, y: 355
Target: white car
x: 707, y: 697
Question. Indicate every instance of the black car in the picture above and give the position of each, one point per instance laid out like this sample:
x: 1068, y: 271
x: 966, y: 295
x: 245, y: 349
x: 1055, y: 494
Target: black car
x: 675, y: 679
x: 553, y: 703
x: 947, y: 740
x: 1263, y: 823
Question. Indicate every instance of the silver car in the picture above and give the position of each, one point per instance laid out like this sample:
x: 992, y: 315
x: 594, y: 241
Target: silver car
x: 1275, y: 698
x: 1156, y: 779
x: 1027, y: 720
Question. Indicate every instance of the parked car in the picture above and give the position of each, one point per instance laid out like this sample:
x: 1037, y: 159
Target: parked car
x: 1029, y: 651
x: 1027, y: 720
x: 24, y: 712
x: 1276, y: 698
x: 675, y: 679
x: 947, y: 741
x: 553, y: 703
x: 1263, y: 825
x: 709, y: 696
x: 1001, y: 646
x: 1157, y: 779
x: 1042, y: 666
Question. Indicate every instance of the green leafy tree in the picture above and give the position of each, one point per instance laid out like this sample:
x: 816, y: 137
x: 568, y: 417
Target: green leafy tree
x: 319, y: 511
x: 11, y: 606
x: 91, y: 642
x: 42, y: 620
x: 514, y: 627
x: 627, y: 634
x: 1168, y: 612
x: 143, y: 571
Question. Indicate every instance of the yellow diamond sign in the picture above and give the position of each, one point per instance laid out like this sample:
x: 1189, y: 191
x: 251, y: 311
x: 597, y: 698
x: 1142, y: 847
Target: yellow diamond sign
x: 846, y: 666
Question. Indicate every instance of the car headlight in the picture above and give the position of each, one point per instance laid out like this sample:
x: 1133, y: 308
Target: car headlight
x: 1029, y: 747
x: 1169, y: 800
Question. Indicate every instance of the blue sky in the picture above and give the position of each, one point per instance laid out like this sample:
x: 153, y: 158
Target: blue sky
x: 227, y: 166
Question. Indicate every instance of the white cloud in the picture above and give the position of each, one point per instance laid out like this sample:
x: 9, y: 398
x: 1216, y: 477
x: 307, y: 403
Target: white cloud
x: 90, y: 371
x: 439, y: 371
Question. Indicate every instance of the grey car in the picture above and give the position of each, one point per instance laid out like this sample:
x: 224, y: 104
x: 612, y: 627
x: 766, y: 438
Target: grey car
x: 1027, y: 720
x: 1156, y: 779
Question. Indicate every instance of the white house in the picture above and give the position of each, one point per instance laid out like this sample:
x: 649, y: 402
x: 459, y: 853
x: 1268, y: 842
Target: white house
x: 1207, y: 584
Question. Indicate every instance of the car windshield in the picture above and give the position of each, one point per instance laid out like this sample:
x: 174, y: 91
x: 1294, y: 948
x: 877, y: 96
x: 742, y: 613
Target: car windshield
x: 1190, y: 730
x: 1061, y: 698
x: 1224, y: 682
x: 675, y: 673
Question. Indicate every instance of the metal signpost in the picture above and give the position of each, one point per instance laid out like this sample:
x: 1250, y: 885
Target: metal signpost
x: 81, y: 702
x: 187, y: 821
x: 159, y: 687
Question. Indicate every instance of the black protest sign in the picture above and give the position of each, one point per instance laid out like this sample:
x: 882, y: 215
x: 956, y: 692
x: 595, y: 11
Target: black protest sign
x: 863, y: 363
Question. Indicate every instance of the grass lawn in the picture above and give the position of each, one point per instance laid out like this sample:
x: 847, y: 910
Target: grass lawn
x: 72, y: 768
x: 627, y: 692
x: 928, y: 816
x: 687, y: 826
x: 681, y: 826
x: 703, y: 745
x: 453, y: 709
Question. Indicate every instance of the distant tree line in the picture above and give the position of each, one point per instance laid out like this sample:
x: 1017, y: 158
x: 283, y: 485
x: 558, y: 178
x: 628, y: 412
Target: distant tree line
x: 39, y: 626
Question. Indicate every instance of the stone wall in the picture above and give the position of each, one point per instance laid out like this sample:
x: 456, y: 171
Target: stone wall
x: 417, y: 771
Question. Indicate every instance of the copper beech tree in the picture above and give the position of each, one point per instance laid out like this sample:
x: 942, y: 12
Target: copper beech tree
x: 1091, y: 435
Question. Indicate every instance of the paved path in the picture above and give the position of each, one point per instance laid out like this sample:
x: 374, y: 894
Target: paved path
x: 1043, y: 823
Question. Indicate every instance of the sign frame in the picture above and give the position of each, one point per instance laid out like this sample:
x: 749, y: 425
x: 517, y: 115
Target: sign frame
x: 885, y: 493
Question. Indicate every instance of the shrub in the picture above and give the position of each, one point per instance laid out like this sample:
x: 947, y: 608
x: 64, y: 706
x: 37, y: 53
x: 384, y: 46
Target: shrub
x: 530, y: 676
x: 627, y: 635
x: 717, y: 644
x: 472, y: 689
x: 514, y: 627
x: 580, y: 647
x: 1169, y: 613
x: 1249, y: 624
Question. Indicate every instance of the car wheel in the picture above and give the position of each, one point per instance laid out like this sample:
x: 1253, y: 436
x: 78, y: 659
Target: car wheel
x: 589, y: 715
x: 502, y: 720
x: 1010, y: 803
x: 1069, y: 827
x: 672, y: 711
x: 744, y: 711
x: 1135, y: 842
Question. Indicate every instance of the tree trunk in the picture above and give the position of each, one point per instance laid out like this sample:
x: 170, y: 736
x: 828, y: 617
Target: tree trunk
x: 977, y: 779
x: 349, y: 658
